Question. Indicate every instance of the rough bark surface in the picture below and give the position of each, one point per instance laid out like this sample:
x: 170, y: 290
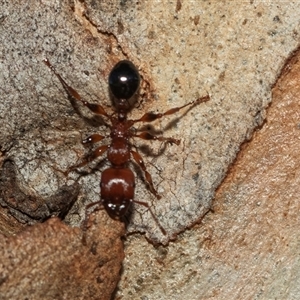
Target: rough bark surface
x: 51, y: 261
x: 232, y: 51
x: 183, y: 52
x: 248, y: 248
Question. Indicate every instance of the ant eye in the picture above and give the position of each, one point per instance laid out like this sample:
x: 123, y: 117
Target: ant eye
x: 124, y: 80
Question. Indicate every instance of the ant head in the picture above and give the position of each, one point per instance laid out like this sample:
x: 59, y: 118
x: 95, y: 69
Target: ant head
x: 124, y: 81
x: 116, y: 208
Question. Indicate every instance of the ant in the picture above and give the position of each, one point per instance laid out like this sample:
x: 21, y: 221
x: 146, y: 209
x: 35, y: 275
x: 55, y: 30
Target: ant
x: 117, y: 183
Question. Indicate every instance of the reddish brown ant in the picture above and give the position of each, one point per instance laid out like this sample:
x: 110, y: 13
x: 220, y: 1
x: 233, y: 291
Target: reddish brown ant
x: 117, y: 182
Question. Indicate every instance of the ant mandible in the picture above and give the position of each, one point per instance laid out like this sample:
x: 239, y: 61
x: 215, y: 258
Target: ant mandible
x: 117, y: 182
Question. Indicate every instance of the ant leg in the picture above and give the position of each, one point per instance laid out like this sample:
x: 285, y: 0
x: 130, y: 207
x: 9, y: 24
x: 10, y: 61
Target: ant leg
x: 147, y: 136
x: 138, y: 159
x: 149, y: 117
x: 95, y: 108
x: 96, y: 153
x: 94, y: 138
x: 152, y: 214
